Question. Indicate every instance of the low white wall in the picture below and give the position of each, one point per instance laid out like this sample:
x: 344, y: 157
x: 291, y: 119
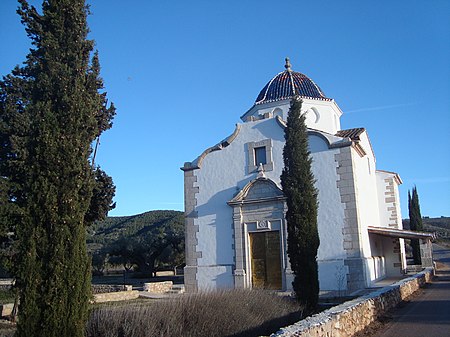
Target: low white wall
x: 347, y: 319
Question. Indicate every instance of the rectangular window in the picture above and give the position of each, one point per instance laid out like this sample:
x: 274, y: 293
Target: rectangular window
x: 259, y: 152
x: 260, y: 155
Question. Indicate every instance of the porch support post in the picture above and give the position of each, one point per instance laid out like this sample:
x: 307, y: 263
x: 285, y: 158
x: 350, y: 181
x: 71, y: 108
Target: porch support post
x: 426, y: 253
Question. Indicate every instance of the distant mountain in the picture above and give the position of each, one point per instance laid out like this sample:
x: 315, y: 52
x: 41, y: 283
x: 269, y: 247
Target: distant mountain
x: 112, y: 228
x: 441, y: 226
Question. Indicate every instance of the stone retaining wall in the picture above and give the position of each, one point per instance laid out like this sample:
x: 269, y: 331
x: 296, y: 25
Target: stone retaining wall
x: 158, y: 287
x: 116, y: 296
x: 110, y: 288
x: 350, y: 317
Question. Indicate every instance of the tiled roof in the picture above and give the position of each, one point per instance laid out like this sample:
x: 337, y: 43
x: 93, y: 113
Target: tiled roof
x: 350, y: 133
x: 287, y: 84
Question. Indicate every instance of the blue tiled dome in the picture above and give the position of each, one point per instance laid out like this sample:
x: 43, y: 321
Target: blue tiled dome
x: 287, y: 84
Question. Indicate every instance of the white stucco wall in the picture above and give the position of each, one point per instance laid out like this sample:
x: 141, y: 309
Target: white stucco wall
x: 376, y: 244
x: 215, y: 277
x: 222, y: 174
x: 330, y: 217
x: 366, y: 192
x: 320, y: 115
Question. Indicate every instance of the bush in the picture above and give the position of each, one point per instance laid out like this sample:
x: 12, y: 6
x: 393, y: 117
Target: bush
x: 7, y: 296
x: 224, y: 313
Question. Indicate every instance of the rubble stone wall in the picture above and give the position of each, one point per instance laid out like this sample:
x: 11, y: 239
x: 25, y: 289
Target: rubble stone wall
x: 116, y: 296
x: 158, y: 287
x: 109, y: 288
x: 350, y: 317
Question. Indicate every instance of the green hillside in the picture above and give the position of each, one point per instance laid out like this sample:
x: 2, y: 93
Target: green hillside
x: 440, y: 226
x: 142, y: 242
x: 113, y: 227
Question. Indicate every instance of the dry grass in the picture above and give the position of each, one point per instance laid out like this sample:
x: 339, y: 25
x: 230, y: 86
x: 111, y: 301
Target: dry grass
x: 225, y: 313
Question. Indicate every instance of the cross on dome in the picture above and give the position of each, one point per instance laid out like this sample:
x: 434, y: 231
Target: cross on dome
x: 288, y: 64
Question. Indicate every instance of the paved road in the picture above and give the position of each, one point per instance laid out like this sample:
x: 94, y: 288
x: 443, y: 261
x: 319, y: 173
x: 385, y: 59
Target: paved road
x: 428, y: 314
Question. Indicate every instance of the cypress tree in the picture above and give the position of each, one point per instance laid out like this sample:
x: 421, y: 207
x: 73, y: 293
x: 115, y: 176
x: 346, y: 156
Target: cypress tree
x: 297, y: 181
x: 52, y: 108
x: 415, y: 222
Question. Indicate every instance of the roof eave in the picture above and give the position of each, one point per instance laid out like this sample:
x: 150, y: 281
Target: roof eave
x: 400, y: 233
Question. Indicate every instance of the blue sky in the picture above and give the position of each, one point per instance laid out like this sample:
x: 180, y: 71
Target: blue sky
x: 181, y: 73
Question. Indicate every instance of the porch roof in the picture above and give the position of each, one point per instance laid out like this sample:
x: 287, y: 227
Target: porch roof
x: 400, y: 233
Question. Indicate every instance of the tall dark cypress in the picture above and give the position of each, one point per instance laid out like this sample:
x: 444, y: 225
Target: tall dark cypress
x: 415, y: 222
x: 51, y: 110
x: 297, y: 181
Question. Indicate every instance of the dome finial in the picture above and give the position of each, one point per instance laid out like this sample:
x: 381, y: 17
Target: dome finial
x: 288, y: 64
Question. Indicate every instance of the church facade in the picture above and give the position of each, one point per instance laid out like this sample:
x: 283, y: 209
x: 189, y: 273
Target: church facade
x: 235, y: 209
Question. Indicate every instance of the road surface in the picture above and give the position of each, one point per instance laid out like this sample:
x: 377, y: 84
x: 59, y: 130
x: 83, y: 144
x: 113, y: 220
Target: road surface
x: 427, y: 314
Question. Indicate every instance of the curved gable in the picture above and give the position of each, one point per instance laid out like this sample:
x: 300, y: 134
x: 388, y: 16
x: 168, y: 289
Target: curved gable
x: 224, y: 143
x: 258, y: 190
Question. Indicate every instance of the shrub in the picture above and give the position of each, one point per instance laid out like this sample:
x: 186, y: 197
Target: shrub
x: 224, y: 313
x: 7, y: 296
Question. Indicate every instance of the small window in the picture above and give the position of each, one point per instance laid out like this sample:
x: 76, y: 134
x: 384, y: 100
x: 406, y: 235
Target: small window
x: 277, y: 112
x: 260, y: 155
x: 259, y: 152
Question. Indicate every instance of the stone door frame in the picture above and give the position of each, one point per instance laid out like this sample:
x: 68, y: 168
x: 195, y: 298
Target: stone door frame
x: 263, y: 213
x: 249, y: 229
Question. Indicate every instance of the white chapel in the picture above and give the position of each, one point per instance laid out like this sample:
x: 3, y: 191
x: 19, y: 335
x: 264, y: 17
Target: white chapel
x: 235, y: 208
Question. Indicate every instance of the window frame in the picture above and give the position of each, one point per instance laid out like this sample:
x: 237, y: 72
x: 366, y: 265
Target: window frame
x: 251, y: 155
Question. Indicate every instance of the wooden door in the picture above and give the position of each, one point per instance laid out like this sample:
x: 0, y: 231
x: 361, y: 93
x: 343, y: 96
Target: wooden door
x: 266, y: 260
